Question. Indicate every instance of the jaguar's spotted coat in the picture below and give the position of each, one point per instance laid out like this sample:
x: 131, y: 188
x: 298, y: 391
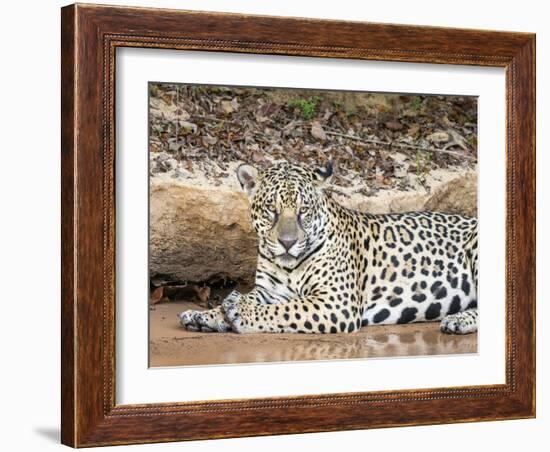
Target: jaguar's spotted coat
x: 323, y: 268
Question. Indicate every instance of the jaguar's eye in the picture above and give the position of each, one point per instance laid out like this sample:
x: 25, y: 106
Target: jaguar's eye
x: 303, y: 210
x: 271, y: 207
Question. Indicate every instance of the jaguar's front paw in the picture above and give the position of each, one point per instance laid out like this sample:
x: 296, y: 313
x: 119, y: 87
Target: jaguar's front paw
x: 230, y: 306
x: 235, y: 313
x: 189, y: 320
x: 205, y: 321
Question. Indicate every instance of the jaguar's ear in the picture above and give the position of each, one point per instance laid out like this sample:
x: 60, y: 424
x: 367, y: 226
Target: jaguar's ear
x: 323, y: 175
x: 248, y: 178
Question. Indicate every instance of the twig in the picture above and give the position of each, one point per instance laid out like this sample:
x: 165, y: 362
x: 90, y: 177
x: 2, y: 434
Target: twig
x: 395, y: 143
x: 194, y: 117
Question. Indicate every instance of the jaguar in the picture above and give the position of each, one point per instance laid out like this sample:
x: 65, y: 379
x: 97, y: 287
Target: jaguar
x: 324, y: 268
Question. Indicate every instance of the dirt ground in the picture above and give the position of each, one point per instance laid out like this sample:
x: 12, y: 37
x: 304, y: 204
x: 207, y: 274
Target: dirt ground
x: 171, y: 345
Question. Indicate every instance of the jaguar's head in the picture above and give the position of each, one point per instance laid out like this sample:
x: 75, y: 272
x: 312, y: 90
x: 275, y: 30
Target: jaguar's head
x: 288, y: 207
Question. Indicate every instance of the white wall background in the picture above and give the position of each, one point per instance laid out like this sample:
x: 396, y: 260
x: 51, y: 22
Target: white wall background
x: 29, y: 224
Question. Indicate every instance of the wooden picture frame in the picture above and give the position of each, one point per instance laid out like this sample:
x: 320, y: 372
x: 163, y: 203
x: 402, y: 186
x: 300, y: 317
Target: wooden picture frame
x: 90, y: 36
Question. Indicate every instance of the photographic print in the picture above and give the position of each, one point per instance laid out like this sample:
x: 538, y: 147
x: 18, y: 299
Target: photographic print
x: 294, y: 215
x: 295, y: 224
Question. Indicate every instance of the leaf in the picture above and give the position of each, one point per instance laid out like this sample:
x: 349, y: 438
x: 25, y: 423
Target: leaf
x: 182, y: 114
x: 400, y: 170
x: 317, y: 131
x: 188, y: 127
x: 438, y: 137
x: 234, y: 104
x: 380, y: 179
x: 393, y: 125
x: 226, y: 107
x: 413, y: 130
x: 458, y: 140
x: 209, y: 140
x: 203, y: 293
x: 258, y: 157
x: 157, y: 296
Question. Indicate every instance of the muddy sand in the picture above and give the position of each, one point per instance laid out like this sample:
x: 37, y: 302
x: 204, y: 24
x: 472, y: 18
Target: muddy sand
x: 171, y: 345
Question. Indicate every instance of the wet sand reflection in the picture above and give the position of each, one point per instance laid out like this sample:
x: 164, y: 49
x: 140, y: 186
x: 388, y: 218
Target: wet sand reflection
x: 172, y: 346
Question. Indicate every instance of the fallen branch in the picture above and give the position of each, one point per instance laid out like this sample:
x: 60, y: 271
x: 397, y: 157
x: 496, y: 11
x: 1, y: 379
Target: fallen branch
x: 366, y: 141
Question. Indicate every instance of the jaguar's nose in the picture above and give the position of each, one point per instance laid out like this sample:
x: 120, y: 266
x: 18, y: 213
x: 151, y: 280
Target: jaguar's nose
x: 287, y: 242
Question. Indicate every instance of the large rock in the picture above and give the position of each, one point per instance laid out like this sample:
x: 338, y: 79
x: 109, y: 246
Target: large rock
x: 456, y: 196
x: 200, y: 234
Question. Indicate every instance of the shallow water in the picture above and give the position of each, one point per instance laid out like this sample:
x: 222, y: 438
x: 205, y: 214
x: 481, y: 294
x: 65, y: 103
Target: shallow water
x: 171, y: 345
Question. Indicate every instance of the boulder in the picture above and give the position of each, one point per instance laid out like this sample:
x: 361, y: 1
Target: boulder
x: 200, y: 234
x: 458, y: 195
